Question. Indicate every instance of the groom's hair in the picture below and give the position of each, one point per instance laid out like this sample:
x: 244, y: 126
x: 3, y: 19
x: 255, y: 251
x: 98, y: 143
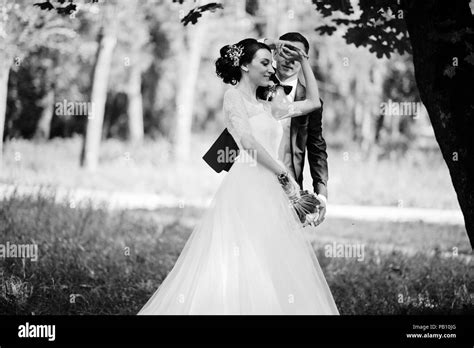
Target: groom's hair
x: 296, y: 37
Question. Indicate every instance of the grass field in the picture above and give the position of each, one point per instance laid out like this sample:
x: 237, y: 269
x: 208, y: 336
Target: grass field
x: 415, y: 180
x: 96, y: 261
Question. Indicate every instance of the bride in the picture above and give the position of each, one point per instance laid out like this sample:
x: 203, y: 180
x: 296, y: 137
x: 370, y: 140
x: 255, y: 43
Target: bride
x: 248, y: 254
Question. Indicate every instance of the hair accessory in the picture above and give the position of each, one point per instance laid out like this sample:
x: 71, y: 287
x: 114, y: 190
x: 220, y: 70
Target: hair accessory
x: 234, y: 53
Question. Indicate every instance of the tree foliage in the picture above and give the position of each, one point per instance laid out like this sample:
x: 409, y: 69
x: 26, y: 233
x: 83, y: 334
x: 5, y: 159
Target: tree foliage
x: 60, y: 6
x: 195, y: 13
x: 378, y: 25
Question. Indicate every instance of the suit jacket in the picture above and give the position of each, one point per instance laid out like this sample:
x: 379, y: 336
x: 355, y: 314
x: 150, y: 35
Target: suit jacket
x: 306, y: 134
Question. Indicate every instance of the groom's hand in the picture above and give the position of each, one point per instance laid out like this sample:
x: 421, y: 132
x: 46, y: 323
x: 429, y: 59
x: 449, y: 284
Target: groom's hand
x: 282, y: 47
x: 292, y: 53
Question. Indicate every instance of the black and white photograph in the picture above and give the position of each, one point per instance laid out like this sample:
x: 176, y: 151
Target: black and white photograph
x: 274, y: 159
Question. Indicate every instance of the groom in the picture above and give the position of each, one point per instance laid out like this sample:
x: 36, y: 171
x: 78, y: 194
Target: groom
x: 300, y: 133
x: 303, y: 132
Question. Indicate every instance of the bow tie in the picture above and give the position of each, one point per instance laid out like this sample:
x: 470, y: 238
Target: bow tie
x: 286, y: 88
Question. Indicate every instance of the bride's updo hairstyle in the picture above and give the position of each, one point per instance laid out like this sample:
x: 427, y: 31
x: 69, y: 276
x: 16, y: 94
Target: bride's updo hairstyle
x: 228, y: 65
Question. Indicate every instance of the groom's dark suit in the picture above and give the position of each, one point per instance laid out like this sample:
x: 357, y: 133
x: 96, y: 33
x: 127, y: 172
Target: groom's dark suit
x: 306, y: 134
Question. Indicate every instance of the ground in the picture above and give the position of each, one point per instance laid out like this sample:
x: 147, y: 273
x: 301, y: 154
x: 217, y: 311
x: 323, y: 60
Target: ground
x: 93, y: 260
x: 96, y: 261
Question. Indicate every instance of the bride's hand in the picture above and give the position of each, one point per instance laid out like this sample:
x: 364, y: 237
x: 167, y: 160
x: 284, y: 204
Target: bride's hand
x: 294, y: 183
x: 289, y: 185
x: 281, y: 107
x: 291, y: 52
x: 275, y: 44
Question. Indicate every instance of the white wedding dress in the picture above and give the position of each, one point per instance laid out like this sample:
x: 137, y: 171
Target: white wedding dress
x: 248, y: 254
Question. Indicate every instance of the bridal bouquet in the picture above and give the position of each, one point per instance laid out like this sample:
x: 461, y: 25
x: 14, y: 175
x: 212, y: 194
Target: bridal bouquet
x: 303, y: 202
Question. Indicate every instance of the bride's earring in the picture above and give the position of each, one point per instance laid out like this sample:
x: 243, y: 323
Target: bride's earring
x: 244, y: 68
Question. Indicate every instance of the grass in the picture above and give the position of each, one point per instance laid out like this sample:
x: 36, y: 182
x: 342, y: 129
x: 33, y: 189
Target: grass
x: 96, y: 261
x: 418, y: 179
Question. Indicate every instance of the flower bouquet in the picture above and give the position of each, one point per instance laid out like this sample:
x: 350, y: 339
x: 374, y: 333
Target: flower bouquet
x: 302, y: 202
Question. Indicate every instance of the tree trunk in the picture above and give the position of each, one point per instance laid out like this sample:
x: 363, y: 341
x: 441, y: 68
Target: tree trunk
x: 43, y: 129
x: 448, y: 100
x: 190, y: 62
x: 5, y: 66
x: 135, y: 105
x: 91, y: 144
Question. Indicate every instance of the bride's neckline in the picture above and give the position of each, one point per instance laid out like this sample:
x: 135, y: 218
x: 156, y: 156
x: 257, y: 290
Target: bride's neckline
x: 249, y: 98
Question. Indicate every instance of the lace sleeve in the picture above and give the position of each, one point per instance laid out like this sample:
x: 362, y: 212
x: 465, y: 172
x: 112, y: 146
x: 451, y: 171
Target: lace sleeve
x: 236, y: 118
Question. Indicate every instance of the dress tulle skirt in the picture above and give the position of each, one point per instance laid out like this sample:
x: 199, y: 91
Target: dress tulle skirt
x: 247, y: 255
